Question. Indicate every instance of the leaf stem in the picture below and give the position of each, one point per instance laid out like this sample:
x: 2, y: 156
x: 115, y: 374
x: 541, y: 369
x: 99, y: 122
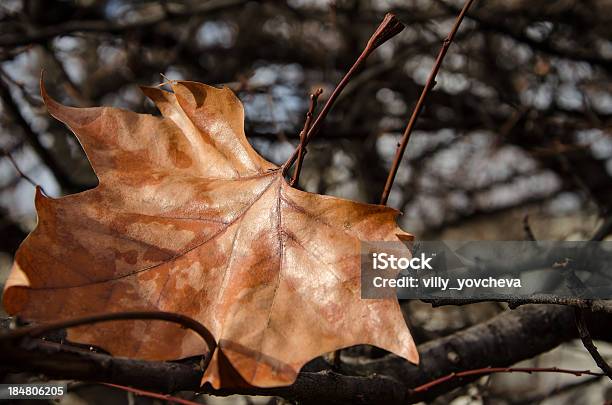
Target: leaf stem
x: 388, y: 28
x: 431, y: 81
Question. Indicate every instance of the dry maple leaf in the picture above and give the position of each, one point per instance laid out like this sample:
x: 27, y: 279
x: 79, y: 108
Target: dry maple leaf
x: 188, y: 218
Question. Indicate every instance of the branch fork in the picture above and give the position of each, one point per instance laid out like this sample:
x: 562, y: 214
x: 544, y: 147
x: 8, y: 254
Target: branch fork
x: 388, y: 28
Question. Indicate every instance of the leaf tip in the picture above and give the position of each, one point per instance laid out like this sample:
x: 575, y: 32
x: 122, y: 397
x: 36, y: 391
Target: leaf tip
x: 15, y: 294
x: 405, y: 236
x: 54, y: 108
x: 71, y: 116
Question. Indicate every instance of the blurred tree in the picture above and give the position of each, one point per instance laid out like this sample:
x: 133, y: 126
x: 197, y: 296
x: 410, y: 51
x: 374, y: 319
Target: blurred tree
x: 521, y: 112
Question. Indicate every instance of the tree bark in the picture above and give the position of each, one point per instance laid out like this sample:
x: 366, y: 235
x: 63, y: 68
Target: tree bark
x: 502, y: 341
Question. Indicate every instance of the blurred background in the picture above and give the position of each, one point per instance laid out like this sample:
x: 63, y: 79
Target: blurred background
x: 519, y: 123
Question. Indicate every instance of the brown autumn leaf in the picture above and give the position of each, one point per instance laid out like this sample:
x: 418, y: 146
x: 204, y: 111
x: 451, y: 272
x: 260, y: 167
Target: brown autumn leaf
x: 188, y: 218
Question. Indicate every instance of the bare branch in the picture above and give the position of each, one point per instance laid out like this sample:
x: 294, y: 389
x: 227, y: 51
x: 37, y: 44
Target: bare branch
x: 302, y: 146
x: 431, y: 80
x: 386, y: 379
x: 18, y: 170
x: 388, y: 28
x: 184, y: 321
x: 31, y: 136
x: 494, y: 370
x: 587, y: 341
x: 514, y: 302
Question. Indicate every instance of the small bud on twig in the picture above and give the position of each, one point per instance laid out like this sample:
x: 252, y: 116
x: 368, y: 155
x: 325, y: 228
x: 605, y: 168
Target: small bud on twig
x: 388, y: 28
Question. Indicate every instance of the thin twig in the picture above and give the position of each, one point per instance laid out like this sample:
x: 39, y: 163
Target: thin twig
x: 184, y: 321
x: 301, y: 147
x: 70, y: 87
x: 494, y: 370
x: 580, y: 313
x: 527, y: 228
x: 388, y: 28
x: 19, y: 171
x: 417, y: 390
x: 547, y: 47
x: 587, y: 341
x: 604, y: 230
x: 33, y: 101
x: 12, y: 109
x: 431, y: 81
x: 536, y: 398
x: 151, y: 394
x: 597, y: 305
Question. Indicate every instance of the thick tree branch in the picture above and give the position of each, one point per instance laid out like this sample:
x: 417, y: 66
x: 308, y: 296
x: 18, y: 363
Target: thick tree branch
x: 506, y: 339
